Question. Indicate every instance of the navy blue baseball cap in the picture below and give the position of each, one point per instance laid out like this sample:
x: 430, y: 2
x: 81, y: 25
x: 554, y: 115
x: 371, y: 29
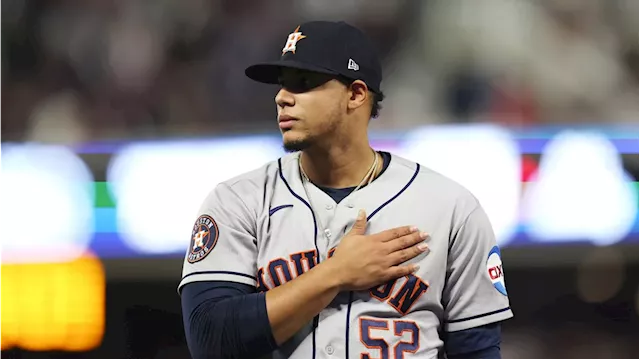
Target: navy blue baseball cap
x: 333, y: 48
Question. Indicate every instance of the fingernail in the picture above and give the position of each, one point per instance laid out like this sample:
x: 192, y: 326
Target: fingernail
x: 424, y: 235
x: 413, y: 229
x: 423, y: 246
x: 415, y: 268
x: 361, y: 214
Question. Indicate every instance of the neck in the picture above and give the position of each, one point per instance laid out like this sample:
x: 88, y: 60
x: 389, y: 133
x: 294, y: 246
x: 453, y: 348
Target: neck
x: 338, y: 166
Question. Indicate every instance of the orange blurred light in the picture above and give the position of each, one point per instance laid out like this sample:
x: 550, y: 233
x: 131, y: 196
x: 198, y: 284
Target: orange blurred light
x: 53, y: 306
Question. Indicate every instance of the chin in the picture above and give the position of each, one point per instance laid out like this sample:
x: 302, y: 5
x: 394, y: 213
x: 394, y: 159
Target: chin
x: 292, y: 142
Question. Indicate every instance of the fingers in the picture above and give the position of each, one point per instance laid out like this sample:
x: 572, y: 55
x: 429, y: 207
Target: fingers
x: 402, y: 271
x: 391, y: 234
x: 360, y: 225
x: 406, y: 254
x: 406, y: 241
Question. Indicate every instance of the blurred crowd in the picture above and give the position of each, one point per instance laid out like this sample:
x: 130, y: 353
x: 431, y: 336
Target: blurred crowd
x: 81, y: 70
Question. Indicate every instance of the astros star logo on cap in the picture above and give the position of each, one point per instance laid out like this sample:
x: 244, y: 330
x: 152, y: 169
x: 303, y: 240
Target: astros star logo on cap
x: 292, y: 40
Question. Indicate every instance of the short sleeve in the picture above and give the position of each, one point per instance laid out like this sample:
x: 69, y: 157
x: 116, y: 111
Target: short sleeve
x: 222, y: 245
x: 475, y: 292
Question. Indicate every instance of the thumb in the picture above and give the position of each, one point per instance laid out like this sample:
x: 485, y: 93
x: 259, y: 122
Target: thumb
x: 360, y: 224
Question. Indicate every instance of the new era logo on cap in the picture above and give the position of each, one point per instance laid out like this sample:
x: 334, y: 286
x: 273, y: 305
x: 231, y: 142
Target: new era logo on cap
x: 353, y: 65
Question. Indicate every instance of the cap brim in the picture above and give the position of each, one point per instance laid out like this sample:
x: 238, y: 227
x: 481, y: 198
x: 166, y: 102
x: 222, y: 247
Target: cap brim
x: 269, y: 72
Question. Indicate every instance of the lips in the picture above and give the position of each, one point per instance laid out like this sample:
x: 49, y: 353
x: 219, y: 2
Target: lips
x: 286, y: 122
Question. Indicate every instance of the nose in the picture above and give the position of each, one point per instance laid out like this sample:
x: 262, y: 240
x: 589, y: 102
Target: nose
x: 284, y: 98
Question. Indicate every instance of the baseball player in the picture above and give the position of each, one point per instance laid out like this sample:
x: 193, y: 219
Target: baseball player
x: 336, y: 250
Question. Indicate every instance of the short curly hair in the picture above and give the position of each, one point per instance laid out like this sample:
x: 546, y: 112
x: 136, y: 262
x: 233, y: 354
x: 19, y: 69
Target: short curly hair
x: 376, y: 105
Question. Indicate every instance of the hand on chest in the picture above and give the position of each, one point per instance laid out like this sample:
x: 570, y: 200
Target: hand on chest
x: 294, y: 239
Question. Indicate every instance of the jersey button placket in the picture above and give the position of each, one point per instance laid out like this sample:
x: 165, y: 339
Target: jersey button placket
x: 326, y: 219
x: 339, y: 224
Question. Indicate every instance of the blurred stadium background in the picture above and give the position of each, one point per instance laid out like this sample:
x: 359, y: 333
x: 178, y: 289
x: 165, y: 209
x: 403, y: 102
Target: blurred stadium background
x: 119, y: 116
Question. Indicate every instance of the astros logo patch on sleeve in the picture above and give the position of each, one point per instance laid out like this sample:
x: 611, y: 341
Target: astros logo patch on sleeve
x: 203, y: 238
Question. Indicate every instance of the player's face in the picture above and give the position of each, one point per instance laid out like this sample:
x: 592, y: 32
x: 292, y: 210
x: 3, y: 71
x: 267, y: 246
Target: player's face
x: 310, y: 108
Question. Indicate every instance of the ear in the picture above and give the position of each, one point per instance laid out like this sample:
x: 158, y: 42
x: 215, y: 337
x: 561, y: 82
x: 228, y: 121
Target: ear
x: 359, y: 95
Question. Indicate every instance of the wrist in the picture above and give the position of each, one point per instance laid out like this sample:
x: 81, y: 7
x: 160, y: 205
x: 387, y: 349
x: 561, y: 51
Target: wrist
x: 332, y: 274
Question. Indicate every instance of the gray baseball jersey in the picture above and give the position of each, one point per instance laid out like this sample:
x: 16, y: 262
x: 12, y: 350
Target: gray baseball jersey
x: 262, y: 228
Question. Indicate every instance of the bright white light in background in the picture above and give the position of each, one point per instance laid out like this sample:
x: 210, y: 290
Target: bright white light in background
x: 483, y: 158
x: 581, y: 192
x: 47, y: 204
x: 159, y: 187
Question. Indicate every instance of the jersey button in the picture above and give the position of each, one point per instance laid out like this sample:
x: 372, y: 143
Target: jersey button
x: 349, y: 205
x: 329, y: 349
x: 329, y: 207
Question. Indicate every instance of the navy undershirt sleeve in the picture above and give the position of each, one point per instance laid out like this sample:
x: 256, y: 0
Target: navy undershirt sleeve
x: 474, y: 343
x: 225, y: 320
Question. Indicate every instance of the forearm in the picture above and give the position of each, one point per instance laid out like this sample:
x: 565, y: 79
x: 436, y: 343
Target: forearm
x: 292, y: 305
x: 225, y: 320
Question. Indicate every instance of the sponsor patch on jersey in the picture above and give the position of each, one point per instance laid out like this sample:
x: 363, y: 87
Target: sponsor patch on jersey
x: 203, y: 238
x: 494, y: 269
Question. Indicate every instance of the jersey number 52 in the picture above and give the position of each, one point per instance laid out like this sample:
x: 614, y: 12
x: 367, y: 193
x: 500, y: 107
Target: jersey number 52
x: 374, y: 331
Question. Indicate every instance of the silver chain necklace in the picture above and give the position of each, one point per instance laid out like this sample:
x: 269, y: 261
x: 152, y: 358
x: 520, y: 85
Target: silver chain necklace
x: 368, y: 178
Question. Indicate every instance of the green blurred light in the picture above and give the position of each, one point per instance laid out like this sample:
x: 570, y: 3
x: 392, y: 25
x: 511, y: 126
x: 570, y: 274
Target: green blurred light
x: 103, y: 196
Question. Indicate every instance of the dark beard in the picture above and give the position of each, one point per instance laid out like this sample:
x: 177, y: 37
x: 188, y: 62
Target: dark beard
x: 296, y: 146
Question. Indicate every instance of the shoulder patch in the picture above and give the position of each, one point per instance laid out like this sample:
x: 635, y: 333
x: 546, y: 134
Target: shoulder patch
x: 494, y: 269
x: 204, y: 237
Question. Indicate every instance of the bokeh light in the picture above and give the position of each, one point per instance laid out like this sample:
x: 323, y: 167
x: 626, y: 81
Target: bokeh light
x: 581, y: 192
x: 53, y: 306
x: 47, y: 204
x: 159, y: 187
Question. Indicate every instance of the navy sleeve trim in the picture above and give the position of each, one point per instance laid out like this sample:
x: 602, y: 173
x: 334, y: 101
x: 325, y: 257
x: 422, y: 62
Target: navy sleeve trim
x: 479, y: 315
x: 220, y: 272
x: 473, y: 343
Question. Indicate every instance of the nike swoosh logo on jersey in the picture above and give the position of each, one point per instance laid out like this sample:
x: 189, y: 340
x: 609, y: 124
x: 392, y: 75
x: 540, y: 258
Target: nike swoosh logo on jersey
x: 276, y: 209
